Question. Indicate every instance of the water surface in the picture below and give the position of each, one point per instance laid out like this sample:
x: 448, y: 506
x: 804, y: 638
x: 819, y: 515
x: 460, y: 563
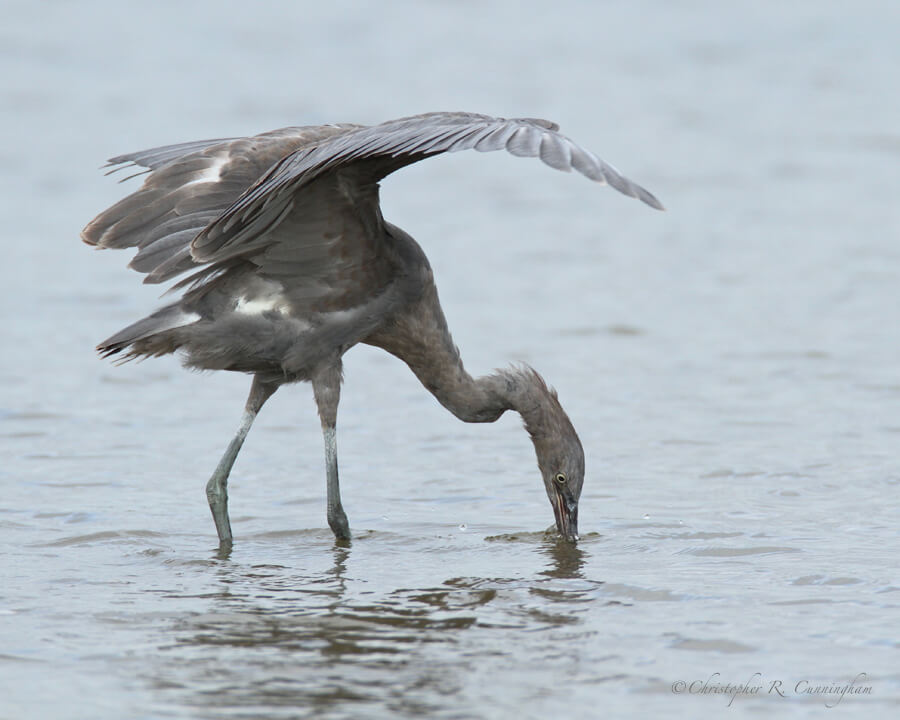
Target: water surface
x: 731, y: 366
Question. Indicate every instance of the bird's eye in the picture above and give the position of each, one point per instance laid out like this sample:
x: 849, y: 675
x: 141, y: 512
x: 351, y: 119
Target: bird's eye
x: 560, y: 479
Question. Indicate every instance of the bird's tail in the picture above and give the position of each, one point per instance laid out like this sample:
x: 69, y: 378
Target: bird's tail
x: 155, y: 335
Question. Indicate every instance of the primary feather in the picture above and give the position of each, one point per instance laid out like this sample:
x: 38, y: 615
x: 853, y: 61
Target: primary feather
x: 213, y: 200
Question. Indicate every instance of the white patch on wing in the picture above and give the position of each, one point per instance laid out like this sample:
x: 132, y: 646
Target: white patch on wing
x: 260, y: 305
x: 212, y: 173
x: 342, y: 316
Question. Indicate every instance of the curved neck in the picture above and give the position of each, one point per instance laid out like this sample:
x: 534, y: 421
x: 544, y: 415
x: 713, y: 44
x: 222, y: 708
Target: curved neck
x: 417, y: 333
x: 420, y: 337
x: 486, y: 398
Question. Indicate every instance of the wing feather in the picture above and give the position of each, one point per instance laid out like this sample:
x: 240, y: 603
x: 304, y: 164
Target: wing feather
x: 155, y: 254
x: 214, y: 202
x: 524, y: 142
x: 384, y: 148
x: 157, y: 157
x: 189, y: 185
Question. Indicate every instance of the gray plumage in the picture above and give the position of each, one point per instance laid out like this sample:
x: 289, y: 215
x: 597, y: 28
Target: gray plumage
x: 291, y: 263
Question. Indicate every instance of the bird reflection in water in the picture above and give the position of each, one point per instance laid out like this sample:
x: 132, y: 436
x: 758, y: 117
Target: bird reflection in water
x: 567, y: 559
x: 332, y: 638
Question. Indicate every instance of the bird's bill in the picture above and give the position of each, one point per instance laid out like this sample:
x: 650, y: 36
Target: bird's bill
x: 565, y: 508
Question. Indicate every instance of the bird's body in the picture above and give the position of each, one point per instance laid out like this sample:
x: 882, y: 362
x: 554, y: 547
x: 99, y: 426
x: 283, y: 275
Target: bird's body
x: 293, y: 264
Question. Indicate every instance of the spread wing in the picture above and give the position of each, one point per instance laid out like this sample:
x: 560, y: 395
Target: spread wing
x: 189, y: 185
x: 376, y: 151
x: 301, y: 203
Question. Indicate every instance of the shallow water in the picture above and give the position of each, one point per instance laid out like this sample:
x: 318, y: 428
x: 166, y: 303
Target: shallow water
x: 731, y: 366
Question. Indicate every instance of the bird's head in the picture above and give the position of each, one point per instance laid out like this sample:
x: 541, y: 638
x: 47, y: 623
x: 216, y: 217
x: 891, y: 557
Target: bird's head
x: 561, y: 461
x: 560, y: 455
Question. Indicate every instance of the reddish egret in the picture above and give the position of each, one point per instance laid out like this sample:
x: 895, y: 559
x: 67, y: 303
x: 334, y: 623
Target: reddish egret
x: 291, y: 264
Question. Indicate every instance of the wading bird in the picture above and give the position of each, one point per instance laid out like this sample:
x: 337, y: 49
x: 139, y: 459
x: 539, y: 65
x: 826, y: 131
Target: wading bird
x: 291, y: 264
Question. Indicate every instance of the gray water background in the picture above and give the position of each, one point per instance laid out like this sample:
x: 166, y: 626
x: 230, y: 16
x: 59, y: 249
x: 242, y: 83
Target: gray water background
x: 732, y: 366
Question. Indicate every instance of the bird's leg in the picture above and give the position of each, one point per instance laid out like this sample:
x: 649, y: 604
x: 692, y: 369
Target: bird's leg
x: 326, y: 384
x: 217, y: 487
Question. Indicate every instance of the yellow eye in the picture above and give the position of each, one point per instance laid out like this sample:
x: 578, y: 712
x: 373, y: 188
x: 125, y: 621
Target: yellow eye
x: 560, y: 479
